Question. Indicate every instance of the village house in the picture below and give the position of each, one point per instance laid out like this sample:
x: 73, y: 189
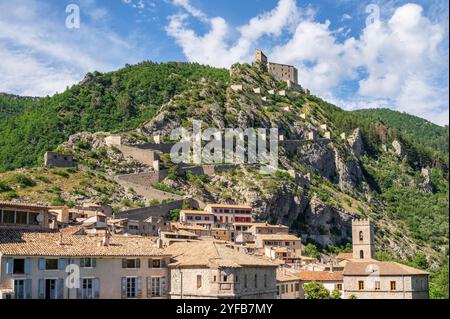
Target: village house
x: 36, y: 265
x: 26, y: 215
x: 229, y: 214
x: 168, y: 238
x: 197, y: 217
x: 372, y: 279
x: 211, y: 270
x: 265, y: 228
x: 279, y: 240
x: 199, y: 230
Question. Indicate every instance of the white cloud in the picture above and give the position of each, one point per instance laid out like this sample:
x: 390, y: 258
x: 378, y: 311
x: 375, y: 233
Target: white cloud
x: 41, y: 56
x: 215, y: 47
x: 397, y: 62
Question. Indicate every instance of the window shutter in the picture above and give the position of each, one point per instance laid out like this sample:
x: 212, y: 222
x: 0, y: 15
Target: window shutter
x: 139, y: 287
x: 9, y: 266
x: 27, y: 265
x: 124, y: 287
x: 96, y: 288
x: 138, y: 263
x: 28, y: 287
x: 94, y: 262
x: 41, y: 264
x: 149, y: 287
x: 62, y: 264
x: 163, y: 286
x: 82, y: 262
x: 80, y: 290
x: 41, y: 288
x: 60, y: 288
x: 124, y: 263
x: 150, y: 263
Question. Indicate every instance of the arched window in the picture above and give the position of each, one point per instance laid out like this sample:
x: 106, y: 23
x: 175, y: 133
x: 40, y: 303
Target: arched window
x: 361, y: 254
x: 361, y: 235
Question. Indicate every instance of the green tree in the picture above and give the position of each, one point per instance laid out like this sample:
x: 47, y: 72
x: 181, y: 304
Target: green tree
x: 336, y: 294
x: 314, y: 290
x: 310, y: 251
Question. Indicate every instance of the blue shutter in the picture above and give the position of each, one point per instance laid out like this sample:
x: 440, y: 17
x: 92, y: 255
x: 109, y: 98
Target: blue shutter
x: 41, y: 288
x: 28, y: 287
x: 149, y: 287
x: 41, y: 264
x: 96, y: 288
x: 27, y: 265
x: 60, y: 289
x: 163, y: 286
x: 79, y: 290
x: 139, y: 287
x: 124, y: 287
x: 9, y: 266
x: 62, y: 264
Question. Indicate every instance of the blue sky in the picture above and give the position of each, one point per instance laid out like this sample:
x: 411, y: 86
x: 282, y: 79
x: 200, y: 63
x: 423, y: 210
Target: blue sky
x: 398, y: 59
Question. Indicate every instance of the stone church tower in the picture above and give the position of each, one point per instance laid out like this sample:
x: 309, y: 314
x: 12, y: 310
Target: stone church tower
x: 363, y: 239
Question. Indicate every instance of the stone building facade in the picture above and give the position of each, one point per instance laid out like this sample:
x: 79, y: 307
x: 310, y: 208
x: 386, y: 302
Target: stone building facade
x: 58, y: 160
x: 363, y: 239
x: 211, y: 270
x: 281, y: 72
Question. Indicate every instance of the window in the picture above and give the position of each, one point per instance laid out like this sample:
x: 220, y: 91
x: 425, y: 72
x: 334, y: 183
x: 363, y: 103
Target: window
x: 361, y: 285
x: 154, y: 263
x: 131, y: 287
x: 297, y: 287
x: 131, y: 263
x: 50, y: 289
x: 361, y: 254
x: 87, y: 263
x: 361, y: 236
x: 21, y: 218
x: 19, y: 289
x: 87, y: 288
x: 245, y: 281
x: 51, y: 264
x: 377, y: 285
x: 156, y: 286
x: 265, y: 281
x: 393, y: 285
x: 339, y: 287
x: 8, y: 217
x: 19, y: 266
x: 225, y: 278
x: 256, y: 280
x: 32, y: 219
x: 215, y: 278
x: 199, y: 281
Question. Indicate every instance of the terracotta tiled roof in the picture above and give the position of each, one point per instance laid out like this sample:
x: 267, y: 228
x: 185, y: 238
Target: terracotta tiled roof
x: 196, y: 212
x: 229, y: 206
x: 266, y: 225
x: 21, y: 242
x: 367, y: 267
x: 320, y: 276
x: 277, y: 237
x: 284, y: 275
x: 211, y: 254
x: 25, y: 205
x: 344, y: 256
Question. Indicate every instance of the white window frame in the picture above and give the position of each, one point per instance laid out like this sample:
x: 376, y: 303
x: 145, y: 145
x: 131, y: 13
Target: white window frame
x: 84, y: 295
x: 135, y: 293
x: 156, y: 287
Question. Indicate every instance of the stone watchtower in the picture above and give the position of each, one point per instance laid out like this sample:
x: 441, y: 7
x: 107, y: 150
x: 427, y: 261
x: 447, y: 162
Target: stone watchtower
x: 363, y: 239
x: 260, y: 57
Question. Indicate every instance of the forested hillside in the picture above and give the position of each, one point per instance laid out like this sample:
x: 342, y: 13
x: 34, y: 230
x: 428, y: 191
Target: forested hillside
x: 114, y: 101
x: 420, y: 130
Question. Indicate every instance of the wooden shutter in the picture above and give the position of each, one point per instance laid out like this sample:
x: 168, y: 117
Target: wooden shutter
x: 138, y: 263
x: 28, y: 287
x: 41, y: 264
x: 9, y: 266
x: 27, y: 265
x: 80, y: 290
x: 124, y: 287
x: 124, y: 263
x: 60, y: 288
x: 139, y: 287
x: 41, y: 288
x: 163, y: 286
x: 62, y: 264
x: 96, y: 284
x: 149, y: 287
